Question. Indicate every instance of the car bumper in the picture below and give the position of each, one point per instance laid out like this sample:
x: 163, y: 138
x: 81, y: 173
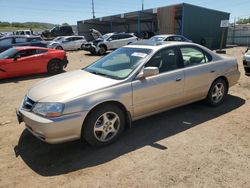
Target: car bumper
x: 246, y: 65
x: 90, y: 48
x: 56, y: 130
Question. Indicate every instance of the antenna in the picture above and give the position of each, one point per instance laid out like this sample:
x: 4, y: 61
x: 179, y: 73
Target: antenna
x: 93, y: 9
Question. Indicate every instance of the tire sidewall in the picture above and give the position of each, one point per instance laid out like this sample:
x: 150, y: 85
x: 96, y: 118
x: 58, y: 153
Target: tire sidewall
x: 209, y: 96
x: 102, y: 50
x: 51, y: 63
x: 88, y: 126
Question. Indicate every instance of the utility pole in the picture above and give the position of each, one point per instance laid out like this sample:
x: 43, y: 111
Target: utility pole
x: 93, y: 9
x: 142, y: 5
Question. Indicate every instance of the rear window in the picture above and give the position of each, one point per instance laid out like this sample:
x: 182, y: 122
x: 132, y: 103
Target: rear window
x: 20, y: 40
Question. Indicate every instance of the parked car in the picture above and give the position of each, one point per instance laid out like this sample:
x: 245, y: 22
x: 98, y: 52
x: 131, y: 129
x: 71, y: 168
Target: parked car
x: 23, y: 32
x: 133, y: 82
x: 10, y: 41
x: 67, y: 43
x: 109, y: 41
x: 171, y: 37
x: 58, y: 31
x: 246, y: 62
x: 19, y: 61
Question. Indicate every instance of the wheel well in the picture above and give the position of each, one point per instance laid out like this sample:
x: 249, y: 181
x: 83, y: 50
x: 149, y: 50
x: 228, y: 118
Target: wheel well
x: 225, y: 79
x: 116, y: 103
x: 103, y: 45
x: 54, y: 59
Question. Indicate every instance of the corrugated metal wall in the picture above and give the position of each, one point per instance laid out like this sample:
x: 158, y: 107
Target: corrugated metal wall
x: 202, y: 25
x: 166, y: 20
x: 239, y: 35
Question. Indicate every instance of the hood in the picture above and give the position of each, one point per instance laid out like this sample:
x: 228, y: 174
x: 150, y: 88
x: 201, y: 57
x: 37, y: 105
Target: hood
x: 95, y: 33
x: 68, y: 86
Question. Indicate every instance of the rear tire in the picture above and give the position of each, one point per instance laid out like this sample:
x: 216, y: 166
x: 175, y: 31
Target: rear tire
x: 55, y: 67
x: 104, y: 125
x: 217, y: 92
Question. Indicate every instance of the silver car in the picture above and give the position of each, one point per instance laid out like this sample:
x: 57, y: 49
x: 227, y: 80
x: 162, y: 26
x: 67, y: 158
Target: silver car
x: 67, y: 43
x: 133, y: 82
x: 170, y: 37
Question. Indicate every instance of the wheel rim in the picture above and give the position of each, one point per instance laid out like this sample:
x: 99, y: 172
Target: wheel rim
x: 218, y: 92
x: 102, y: 50
x: 107, y: 126
x: 55, y: 67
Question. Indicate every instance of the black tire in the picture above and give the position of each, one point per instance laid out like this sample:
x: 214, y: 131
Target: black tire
x: 102, y: 50
x: 93, y: 136
x: 217, y: 92
x: 247, y: 70
x: 59, y: 48
x: 82, y: 46
x: 54, y: 67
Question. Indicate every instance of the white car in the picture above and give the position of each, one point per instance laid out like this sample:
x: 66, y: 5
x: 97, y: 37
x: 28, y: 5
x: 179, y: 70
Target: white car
x: 67, y: 43
x: 246, y: 62
x: 109, y: 41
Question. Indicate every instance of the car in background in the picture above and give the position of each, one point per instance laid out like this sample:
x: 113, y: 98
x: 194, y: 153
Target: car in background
x: 130, y: 83
x: 67, y: 43
x: 20, y: 61
x: 109, y: 41
x: 58, y: 31
x: 171, y: 37
x: 23, y: 32
x: 246, y: 62
x: 10, y: 41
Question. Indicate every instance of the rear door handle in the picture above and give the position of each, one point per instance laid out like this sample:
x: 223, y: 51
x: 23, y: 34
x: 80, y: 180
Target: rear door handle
x: 212, y: 71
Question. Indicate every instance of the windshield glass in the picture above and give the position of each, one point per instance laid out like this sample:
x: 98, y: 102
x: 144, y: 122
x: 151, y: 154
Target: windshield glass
x: 105, y: 36
x: 120, y: 63
x: 155, y: 38
x: 8, y: 53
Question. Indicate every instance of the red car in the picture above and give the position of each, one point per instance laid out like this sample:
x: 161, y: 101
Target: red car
x: 19, y: 61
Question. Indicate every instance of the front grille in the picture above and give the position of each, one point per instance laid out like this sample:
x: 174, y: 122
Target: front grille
x: 28, y: 103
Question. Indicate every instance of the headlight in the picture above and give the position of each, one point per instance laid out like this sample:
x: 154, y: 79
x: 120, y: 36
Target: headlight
x: 48, y: 109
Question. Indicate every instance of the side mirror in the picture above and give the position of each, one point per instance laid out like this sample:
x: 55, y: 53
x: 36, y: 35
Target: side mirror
x: 148, y: 71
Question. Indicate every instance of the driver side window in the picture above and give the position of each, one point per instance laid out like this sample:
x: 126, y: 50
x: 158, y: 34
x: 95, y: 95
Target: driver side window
x: 166, y: 60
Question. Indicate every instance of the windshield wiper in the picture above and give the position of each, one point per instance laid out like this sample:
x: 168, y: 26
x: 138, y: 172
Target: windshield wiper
x: 103, y: 74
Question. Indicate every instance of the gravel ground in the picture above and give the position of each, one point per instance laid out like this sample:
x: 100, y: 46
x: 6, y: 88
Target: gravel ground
x: 191, y: 146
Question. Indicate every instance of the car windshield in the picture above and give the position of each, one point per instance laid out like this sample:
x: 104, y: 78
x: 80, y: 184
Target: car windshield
x: 157, y: 38
x: 120, y: 63
x: 8, y: 53
x: 57, y: 38
x: 105, y: 36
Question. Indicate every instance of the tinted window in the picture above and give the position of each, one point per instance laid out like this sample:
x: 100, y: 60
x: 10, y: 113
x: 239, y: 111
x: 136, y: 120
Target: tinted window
x: 6, y: 42
x: 178, y: 38
x: 165, y: 60
x: 37, y: 39
x: 26, y: 53
x: 20, y: 40
x: 41, y: 51
x: 193, y: 56
x: 114, y: 37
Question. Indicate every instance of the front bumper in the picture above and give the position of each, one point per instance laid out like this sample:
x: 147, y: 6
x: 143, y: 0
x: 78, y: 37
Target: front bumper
x: 89, y: 47
x: 246, y: 65
x: 54, y: 130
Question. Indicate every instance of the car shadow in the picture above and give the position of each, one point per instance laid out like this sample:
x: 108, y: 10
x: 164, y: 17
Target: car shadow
x: 52, y: 160
x: 24, y: 78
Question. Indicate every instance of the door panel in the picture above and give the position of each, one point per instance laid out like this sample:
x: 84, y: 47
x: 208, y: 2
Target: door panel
x: 7, y: 68
x: 158, y: 92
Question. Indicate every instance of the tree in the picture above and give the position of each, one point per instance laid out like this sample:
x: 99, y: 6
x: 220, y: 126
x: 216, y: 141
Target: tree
x: 65, y: 24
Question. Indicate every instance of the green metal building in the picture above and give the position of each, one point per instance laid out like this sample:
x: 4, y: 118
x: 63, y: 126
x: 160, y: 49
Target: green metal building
x: 199, y: 24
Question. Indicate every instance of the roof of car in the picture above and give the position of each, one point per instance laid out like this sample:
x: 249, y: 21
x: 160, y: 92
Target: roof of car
x: 166, y: 35
x: 156, y: 45
x: 29, y: 48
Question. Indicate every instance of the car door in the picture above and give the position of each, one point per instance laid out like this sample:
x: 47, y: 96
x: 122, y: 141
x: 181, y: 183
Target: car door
x: 113, y: 42
x: 67, y: 43
x: 199, y: 72
x: 27, y: 62
x: 7, y: 68
x: 161, y: 91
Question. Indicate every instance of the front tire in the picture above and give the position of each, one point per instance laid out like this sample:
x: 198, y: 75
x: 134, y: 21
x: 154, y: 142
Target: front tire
x: 54, y: 67
x: 104, y: 125
x: 102, y: 50
x: 217, y: 92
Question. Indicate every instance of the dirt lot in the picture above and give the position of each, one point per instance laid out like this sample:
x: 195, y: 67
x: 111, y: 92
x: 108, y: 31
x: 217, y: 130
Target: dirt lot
x: 192, y: 146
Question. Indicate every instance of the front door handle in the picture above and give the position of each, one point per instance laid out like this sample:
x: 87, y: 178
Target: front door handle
x: 212, y: 71
x: 178, y: 79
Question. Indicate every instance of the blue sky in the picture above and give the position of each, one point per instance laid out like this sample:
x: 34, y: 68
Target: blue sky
x: 70, y: 11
